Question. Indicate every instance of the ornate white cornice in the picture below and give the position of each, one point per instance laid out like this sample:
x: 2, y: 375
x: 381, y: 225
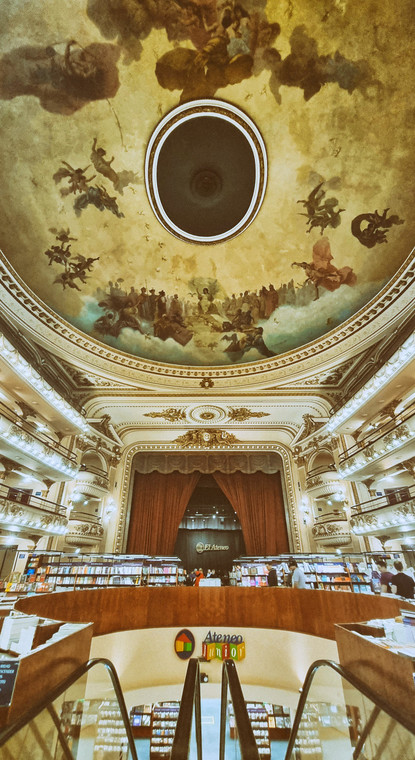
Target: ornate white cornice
x: 58, y: 335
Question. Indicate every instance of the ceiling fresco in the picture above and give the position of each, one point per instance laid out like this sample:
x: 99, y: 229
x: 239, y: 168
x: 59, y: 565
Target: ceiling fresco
x: 83, y: 86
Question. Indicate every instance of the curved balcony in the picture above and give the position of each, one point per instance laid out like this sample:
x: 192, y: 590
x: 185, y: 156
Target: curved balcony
x: 321, y: 480
x: 92, y: 481
x: 380, y: 445
x: 83, y: 529
x: 23, y: 442
x: 332, y: 529
x: 21, y: 511
x: 392, y: 514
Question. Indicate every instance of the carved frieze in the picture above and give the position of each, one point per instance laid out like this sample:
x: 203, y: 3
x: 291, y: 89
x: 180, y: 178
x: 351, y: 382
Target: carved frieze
x: 332, y: 534
x: 207, y: 439
x: 83, y: 533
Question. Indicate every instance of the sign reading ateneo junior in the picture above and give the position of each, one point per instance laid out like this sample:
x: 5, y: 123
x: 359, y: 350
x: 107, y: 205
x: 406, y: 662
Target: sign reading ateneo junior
x: 223, y: 646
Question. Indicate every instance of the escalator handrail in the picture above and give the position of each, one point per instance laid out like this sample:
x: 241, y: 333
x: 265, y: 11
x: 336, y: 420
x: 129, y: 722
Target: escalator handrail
x: 353, y: 681
x: 26, y: 717
x: 190, y: 697
x: 247, y: 743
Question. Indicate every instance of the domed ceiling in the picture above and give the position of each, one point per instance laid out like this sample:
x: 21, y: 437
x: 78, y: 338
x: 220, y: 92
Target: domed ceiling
x: 86, y: 89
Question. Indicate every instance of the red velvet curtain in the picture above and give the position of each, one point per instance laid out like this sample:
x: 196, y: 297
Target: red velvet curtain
x: 157, y: 507
x: 258, y: 502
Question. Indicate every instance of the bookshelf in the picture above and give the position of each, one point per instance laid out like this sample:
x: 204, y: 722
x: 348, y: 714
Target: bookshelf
x: 269, y: 722
x: 110, y: 740
x: 55, y: 571
x: 164, y: 720
x: 94, y: 723
x: 326, y: 572
x: 140, y: 719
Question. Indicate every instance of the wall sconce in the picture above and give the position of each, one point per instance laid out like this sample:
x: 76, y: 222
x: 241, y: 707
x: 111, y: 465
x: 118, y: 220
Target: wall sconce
x: 305, y: 509
x: 110, y: 508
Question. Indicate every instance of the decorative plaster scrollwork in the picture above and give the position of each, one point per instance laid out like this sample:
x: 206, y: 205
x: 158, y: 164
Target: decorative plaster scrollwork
x: 241, y: 414
x: 331, y: 534
x: 206, y: 439
x: 171, y: 415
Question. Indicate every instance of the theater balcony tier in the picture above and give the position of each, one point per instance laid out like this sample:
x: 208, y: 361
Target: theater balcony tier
x: 23, y: 442
x: 25, y: 514
x: 392, y: 514
x: 91, y: 481
x: 380, y: 448
x: 332, y: 530
x: 83, y: 529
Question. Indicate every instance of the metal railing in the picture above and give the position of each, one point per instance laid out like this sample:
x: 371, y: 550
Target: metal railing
x: 189, y: 706
x: 20, y: 496
x: 47, y: 704
x: 33, y: 429
x: 374, y: 435
x: 379, y: 705
x: 244, y: 731
x: 390, y: 499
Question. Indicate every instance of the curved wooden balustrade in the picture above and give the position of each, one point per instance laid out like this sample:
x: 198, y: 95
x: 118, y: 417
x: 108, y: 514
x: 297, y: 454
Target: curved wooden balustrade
x: 126, y: 608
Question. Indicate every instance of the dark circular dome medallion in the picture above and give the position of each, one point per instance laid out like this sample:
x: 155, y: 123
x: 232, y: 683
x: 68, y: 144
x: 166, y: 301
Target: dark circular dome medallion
x: 206, y: 171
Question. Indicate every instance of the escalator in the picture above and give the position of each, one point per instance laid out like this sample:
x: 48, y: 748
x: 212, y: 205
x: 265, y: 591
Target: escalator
x: 337, y: 718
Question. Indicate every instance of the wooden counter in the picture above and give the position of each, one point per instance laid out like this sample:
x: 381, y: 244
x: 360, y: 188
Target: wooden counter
x: 128, y: 608
x: 42, y: 669
x: 387, y: 673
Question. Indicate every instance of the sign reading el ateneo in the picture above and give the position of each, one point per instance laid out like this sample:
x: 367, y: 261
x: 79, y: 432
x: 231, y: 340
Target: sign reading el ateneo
x: 223, y: 646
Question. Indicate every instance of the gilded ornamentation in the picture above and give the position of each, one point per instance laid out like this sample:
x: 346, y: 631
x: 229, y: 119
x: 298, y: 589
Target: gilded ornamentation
x: 409, y: 465
x: 331, y: 534
x: 206, y: 439
x: 171, y: 415
x: 311, y: 425
x: 241, y: 414
x: 206, y: 382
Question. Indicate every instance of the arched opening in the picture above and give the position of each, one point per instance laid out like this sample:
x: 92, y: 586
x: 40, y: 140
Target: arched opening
x: 163, y: 486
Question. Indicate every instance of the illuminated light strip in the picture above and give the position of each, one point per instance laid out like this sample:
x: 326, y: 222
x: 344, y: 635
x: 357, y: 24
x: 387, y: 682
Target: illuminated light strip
x: 391, y: 446
x: 39, y: 451
x: 402, y: 357
x: 26, y: 371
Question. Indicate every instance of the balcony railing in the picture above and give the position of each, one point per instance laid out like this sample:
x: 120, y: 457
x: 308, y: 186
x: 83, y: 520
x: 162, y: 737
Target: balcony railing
x: 376, y: 434
x: 20, y: 496
x: 33, y: 429
x: 321, y: 470
x: 395, y: 496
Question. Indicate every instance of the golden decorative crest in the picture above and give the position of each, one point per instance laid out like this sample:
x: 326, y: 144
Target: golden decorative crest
x: 241, y: 414
x: 171, y: 415
x: 206, y: 439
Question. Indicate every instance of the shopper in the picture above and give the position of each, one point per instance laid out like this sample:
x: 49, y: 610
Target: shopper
x: 298, y: 579
x: 199, y: 575
x: 385, y: 577
x: 402, y: 584
x: 272, y: 576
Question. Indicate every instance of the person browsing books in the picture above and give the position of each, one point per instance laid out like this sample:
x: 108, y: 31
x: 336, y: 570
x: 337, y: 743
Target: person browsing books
x: 298, y: 579
x: 272, y: 579
x: 402, y: 584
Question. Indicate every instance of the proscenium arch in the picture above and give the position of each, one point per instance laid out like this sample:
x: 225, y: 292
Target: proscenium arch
x: 287, y: 483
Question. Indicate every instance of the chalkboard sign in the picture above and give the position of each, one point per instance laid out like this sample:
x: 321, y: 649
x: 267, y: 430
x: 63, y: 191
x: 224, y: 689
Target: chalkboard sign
x: 8, y: 673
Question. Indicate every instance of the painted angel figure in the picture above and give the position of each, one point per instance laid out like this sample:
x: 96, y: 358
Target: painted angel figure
x: 322, y: 273
x: 78, y: 182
